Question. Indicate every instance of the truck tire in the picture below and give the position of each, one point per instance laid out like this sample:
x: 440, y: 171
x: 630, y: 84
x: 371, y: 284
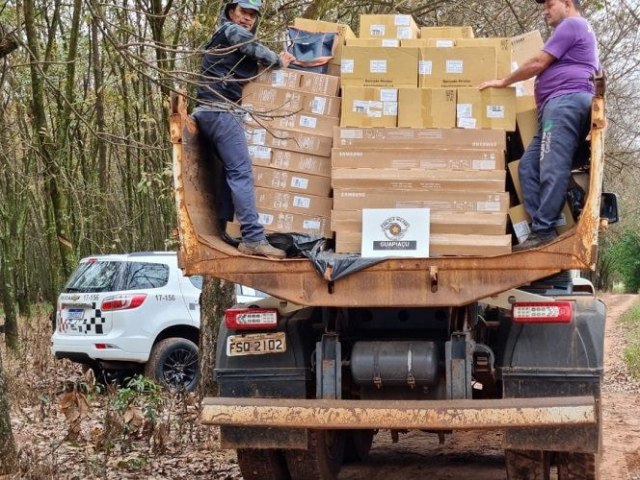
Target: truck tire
x: 574, y: 466
x: 527, y: 464
x: 262, y: 464
x: 357, y: 445
x: 323, y: 459
x: 174, y: 363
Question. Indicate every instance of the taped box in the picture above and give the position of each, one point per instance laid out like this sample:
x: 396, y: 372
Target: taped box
x: 292, y: 161
x: 278, y: 99
x: 291, y: 181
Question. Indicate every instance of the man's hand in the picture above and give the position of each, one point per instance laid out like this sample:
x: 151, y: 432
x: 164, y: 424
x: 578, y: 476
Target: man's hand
x: 286, y: 58
x: 498, y: 83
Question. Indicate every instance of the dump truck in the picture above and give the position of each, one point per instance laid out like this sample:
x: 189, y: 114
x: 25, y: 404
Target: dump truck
x: 511, y: 342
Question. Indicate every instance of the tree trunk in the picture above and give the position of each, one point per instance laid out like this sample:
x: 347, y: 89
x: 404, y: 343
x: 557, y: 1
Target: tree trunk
x: 216, y: 296
x: 8, y: 452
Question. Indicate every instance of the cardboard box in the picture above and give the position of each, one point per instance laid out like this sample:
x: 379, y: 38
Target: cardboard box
x: 493, y: 108
x: 526, y: 119
x: 440, y: 222
x: 446, y: 32
x: 300, y: 80
x: 373, y: 42
x: 321, y: 125
x: 289, y: 140
x: 417, y: 158
x: 523, y: 48
x: 444, y: 201
x: 276, y: 100
x: 294, y: 182
x: 291, y: 202
x: 388, y: 26
x: 429, y: 42
x: 431, y: 180
x: 292, y: 161
x: 369, y: 107
x: 456, y: 67
x: 441, y: 244
x: 520, y: 222
x: 343, y: 30
x: 503, y: 51
x: 515, y: 178
x: 284, y: 222
x: 419, y: 137
x: 379, y: 67
x: 427, y: 107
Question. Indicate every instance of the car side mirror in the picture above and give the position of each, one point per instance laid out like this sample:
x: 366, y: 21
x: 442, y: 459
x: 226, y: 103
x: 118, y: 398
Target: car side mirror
x: 609, y: 207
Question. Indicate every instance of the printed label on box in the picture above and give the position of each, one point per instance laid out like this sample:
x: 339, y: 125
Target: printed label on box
x: 444, y: 43
x: 318, y: 105
x: 308, y: 122
x: 301, y: 202
x: 346, y: 65
x: 378, y: 66
x: 467, y: 123
x: 454, y: 66
x: 278, y: 78
x: 495, y: 111
x: 403, y: 32
x: 394, y: 232
x: 298, y: 182
x: 483, y: 164
x: 259, y: 136
x: 488, y: 206
x: 562, y: 221
x: 521, y: 89
x: 522, y: 230
x: 265, y: 219
x: 464, y: 110
x: 311, y: 224
x: 390, y: 42
x: 389, y: 94
x: 425, y: 67
x: 390, y: 108
x: 402, y: 20
x: 261, y: 152
x: 376, y: 30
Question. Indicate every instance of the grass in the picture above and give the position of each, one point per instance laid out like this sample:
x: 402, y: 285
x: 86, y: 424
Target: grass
x: 631, y: 323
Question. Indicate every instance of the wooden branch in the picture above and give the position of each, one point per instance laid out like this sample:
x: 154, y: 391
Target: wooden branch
x: 7, y: 45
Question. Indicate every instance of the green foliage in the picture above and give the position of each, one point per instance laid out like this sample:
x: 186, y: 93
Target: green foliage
x: 143, y: 393
x: 631, y: 353
x: 624, y: 257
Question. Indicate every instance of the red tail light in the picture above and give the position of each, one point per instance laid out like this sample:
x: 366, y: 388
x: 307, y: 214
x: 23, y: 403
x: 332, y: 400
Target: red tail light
x: 542, y: 312
x: 123, y: 302
x: 251, y: 318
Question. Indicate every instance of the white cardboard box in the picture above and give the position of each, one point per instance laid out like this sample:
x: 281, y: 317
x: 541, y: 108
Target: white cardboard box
x: 391, y: 232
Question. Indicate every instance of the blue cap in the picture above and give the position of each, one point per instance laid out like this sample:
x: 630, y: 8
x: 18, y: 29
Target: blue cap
x: 250, y: 4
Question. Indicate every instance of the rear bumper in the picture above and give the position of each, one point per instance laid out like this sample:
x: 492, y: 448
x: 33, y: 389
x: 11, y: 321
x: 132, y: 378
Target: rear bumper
x: 375, y: 414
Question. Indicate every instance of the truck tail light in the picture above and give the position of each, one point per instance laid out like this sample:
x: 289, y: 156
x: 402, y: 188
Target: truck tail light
x: 123, y: 302
x: 542, y: 312
x: 251, y: 318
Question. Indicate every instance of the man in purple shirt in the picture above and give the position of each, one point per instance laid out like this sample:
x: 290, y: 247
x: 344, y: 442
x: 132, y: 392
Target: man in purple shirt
x: 564, y: 88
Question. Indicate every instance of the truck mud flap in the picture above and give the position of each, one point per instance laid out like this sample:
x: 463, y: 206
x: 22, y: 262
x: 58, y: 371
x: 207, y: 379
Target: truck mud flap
x: 373, y: 414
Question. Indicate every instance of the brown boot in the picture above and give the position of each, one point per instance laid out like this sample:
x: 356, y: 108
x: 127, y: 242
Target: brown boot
x: 261, y: 248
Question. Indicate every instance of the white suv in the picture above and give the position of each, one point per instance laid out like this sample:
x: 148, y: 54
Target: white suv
x: 131, y: 312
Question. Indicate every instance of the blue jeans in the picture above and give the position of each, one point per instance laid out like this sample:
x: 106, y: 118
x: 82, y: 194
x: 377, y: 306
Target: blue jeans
x: 224, y: 132
x: 545, y: 168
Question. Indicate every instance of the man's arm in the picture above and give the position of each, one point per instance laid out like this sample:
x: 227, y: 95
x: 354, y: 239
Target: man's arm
x: 247, y: 44
x: 532, y: 67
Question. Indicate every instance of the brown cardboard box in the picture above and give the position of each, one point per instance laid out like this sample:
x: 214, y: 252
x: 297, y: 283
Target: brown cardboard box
x: 344, y: 32
x: 388, y: 26
x: 291, y: 202
x: 417, y: 158
x: 419, y: 137
x: 440, y: 222
x: 369, y: 107
x: 489, y: 108
x: 456, y: 67
x: 276, y: 100
x: 524, y: 47
x: 291, y: 181
x: 526, y: 119
x: 566, y: 221
x: 429, y: 42
x: 278, y: 221
x: 373, y: 42
x: 515, y: 178
x: 379, y: 67
x: 289, y: 140
x: 520, y: 222
x: 446, y: 201
x: 440, y: 244
x: 321, y: 125
x: 292, y: 161
x: 427, y: 107
x: 300, y: 80
x: 503, y: 51
x: 446, y: 32
x: 431, y: 180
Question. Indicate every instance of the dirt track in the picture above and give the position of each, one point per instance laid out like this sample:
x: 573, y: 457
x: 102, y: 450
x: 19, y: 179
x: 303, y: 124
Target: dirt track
x: 479, y: 455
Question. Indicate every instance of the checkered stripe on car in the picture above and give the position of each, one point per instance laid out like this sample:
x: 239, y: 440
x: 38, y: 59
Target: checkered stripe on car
x: 94, y: 325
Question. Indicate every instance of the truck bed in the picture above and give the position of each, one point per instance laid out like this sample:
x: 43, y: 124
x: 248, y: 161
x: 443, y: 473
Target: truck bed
x: 439, y: 281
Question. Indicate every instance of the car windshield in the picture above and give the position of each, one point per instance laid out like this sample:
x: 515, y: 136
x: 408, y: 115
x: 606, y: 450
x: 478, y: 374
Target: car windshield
x: 109, y: 276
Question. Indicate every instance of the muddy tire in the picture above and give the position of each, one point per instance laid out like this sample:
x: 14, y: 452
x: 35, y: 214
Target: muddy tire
x: 174, y: 363
x: 527, y: 464
x: 323, y: 459
x: 578, y: 466
x: 357, y: 445
x: 262, y: 464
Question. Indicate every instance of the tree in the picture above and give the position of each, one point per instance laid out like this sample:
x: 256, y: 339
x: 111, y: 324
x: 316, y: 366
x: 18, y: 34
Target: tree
x: 8, y: 453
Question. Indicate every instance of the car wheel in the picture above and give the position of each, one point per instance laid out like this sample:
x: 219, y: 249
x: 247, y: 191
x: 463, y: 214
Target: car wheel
x: 174, y: 363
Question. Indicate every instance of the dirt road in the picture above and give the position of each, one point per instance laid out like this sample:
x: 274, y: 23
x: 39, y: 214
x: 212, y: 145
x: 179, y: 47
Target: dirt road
x: 479, y: 455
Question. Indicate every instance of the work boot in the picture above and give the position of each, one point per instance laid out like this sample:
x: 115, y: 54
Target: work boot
x: 261, y: 248
x: 535, y: 240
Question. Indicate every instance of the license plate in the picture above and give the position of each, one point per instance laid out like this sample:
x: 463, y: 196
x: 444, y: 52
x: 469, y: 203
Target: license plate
x: 73, y: 315
x: 256, y: 344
